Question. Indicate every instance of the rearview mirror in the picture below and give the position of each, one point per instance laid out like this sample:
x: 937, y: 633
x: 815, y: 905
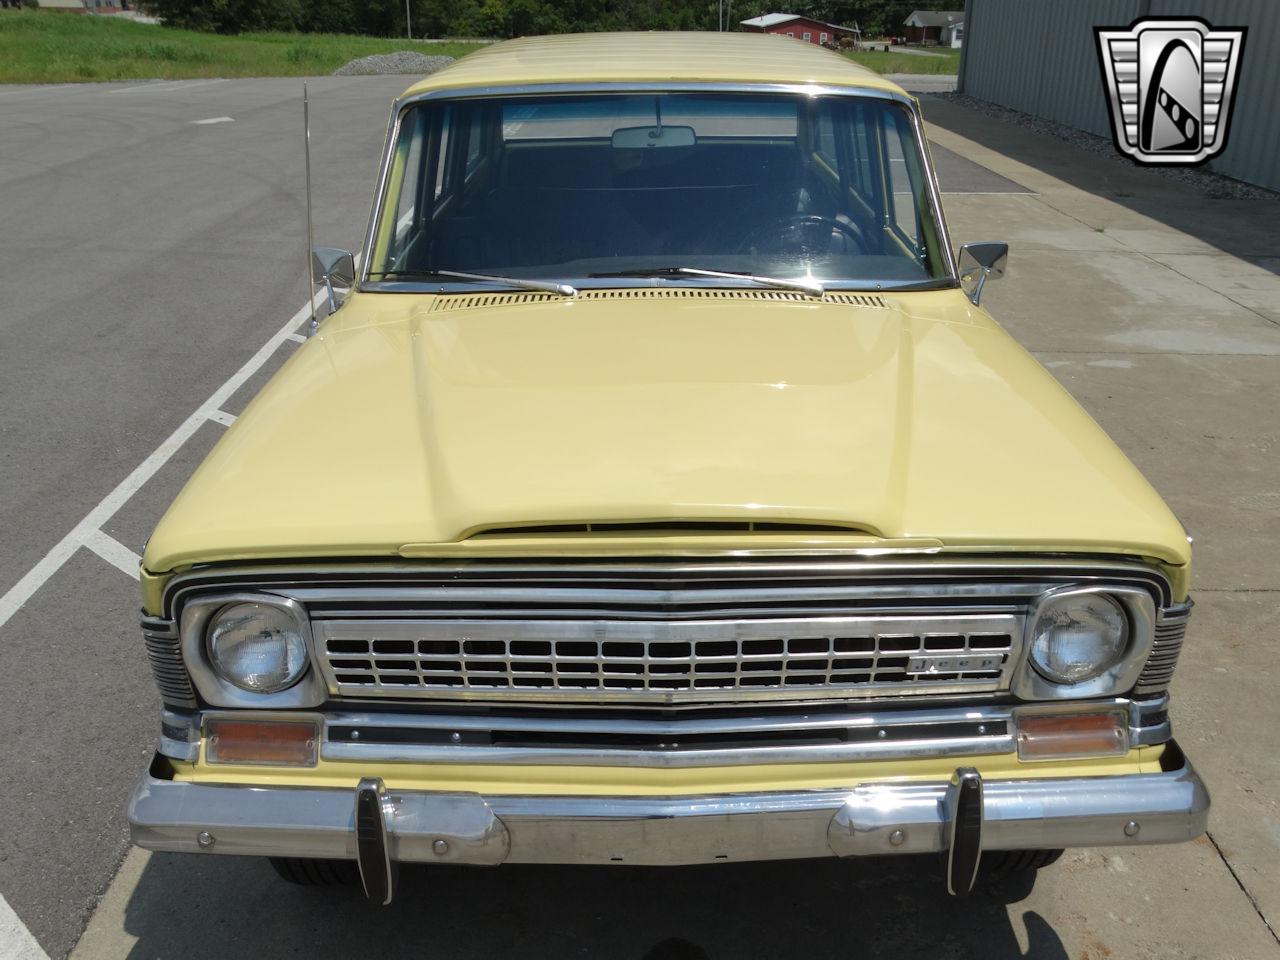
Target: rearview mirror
x: 978, y: 262
x: 334, y: 268
x: 636, y: 138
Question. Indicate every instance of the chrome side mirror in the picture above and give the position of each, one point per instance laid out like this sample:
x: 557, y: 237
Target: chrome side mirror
x: 335, y: 269
x: 978, y: 262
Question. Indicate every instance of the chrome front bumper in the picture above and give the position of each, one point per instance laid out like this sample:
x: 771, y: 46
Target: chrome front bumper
x: 871, y: 819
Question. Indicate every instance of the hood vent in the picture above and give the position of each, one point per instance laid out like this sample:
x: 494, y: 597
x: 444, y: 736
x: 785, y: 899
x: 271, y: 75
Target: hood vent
x: 466, y: 301
x: 669, y: 527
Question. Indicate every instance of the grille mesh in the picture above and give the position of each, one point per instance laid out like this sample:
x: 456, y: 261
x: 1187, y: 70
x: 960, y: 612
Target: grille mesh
x: 404, y: 658
x: 161, y: 638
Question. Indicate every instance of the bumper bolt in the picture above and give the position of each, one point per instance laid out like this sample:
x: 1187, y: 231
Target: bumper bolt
x: 882, y: 734
x: 455, y: 737
x: 897, y: 838
x: 1131, y: 828
x: 440, y: 847
x: 205, y: 839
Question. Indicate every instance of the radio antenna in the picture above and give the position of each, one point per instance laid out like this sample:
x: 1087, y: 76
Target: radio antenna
x: 306, y: 149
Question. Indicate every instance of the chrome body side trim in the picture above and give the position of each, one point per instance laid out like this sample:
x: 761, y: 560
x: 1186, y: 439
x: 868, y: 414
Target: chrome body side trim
x: 866, y: 819
x: 544, y: 89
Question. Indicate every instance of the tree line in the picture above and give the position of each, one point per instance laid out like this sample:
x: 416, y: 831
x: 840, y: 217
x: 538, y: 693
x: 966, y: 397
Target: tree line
x: 514, y: 18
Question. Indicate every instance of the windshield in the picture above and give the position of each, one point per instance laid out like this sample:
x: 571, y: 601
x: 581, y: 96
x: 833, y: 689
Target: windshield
x: 578, y: 188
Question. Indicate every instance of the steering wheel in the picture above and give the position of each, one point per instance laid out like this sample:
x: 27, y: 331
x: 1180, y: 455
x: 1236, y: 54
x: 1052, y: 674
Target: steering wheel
x: 802, y: 233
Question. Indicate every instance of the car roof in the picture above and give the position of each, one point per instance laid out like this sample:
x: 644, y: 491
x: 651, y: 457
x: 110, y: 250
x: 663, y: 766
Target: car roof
x: 656, y: 57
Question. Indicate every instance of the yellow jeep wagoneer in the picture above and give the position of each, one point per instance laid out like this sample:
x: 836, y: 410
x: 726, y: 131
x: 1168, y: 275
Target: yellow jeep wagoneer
x: 660, y: 494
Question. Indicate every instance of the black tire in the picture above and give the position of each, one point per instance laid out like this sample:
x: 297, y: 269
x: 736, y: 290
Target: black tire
x: 316, y: 873
x: 1004, y: 863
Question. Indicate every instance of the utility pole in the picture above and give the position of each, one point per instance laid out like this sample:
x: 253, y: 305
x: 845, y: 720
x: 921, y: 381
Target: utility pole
x: 408, y: 27
x: 720, y: 16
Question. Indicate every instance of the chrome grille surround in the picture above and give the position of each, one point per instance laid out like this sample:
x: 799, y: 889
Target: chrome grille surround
x: 1170, y: 631
x: 165, y: 655
x: 674, y: 661
x: 653, y: 596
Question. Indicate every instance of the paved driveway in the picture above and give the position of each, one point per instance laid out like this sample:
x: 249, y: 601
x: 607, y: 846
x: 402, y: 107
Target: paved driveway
x: 149, y: 259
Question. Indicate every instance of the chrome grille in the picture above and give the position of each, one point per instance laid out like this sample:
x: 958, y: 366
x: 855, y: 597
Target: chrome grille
x: 1171, y: 629
x: 161, y: 638
x: 389, y: 615
x: 676, y: 661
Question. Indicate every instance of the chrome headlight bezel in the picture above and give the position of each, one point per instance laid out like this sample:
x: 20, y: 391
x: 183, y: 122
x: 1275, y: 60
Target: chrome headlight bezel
x: 197, y: 617
x: 1139, y: 610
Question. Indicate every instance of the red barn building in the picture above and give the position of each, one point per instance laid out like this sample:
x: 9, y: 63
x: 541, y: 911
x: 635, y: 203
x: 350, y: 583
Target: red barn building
x: 802, y: 28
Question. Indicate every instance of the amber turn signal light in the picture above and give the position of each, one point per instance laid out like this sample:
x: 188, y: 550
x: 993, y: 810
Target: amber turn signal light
x: 1066, y: 735
x: 277, y: 743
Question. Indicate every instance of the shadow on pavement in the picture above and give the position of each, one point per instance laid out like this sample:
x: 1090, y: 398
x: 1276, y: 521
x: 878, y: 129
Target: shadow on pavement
x: 223, y: 907
x: 1242, y: 228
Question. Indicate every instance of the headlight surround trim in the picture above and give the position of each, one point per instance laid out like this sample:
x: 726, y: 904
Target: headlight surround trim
x: 1139, y: 610
x: 196, y: 619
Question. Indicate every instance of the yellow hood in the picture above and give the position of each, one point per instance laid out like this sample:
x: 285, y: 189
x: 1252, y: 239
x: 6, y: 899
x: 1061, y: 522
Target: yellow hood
x: 404, y: 429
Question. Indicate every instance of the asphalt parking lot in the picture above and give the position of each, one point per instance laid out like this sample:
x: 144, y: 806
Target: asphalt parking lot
x: 149, y: 257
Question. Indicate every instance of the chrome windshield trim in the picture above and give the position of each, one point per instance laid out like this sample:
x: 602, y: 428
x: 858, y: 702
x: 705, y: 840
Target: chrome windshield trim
x: 542, y: 89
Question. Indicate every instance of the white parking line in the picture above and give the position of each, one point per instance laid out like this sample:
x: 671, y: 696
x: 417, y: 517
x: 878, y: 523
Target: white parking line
x: 16, y: 941
x: 224, y: 418
x: 89, y: 529
x: 166, y: 85
x: 214, y: 120
x: 114, y: 552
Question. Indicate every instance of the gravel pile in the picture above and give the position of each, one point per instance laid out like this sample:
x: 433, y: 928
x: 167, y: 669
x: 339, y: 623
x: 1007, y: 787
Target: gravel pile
x: 1212, y: 185
x: 383, y: 64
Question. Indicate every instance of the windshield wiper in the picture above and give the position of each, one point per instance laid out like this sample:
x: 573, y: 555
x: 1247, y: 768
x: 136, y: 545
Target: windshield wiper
x: 545, y: 286
x: 811, y: 287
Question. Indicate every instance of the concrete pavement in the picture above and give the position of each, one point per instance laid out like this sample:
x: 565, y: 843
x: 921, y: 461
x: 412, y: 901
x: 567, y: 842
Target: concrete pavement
x: 150, y: 257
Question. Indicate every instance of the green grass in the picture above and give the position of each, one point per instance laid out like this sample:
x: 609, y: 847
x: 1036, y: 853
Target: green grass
x: 882, y: 62
x: 42, y: 46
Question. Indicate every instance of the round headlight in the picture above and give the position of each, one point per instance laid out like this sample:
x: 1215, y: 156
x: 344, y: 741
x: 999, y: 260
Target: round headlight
x: 257, y: 647
x: 1077, y: 637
